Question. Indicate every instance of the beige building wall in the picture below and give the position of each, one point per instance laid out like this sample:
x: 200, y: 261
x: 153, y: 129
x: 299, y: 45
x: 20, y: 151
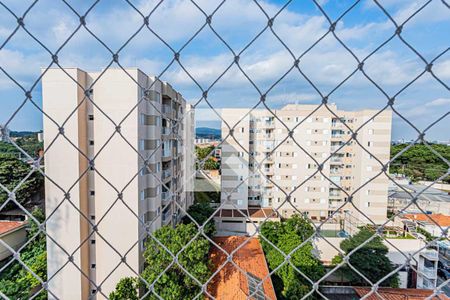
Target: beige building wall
x: 63, y: 166
x: 134, y: 134
x: 279, y: 166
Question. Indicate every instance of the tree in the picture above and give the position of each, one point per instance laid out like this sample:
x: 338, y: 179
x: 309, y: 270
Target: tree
x: 175, y: 283
x: 12, y: 172
x: 205, y: 163
x: 370, y: 259
x: 126, y: 289
x: 200, y: 212
x: 287, y: 236
x: 419, y: 162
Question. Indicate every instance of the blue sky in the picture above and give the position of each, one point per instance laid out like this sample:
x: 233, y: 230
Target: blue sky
x: 299, y: 25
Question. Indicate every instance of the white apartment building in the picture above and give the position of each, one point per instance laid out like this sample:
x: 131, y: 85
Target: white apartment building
x: 99, y: 157
x: 265, y: 154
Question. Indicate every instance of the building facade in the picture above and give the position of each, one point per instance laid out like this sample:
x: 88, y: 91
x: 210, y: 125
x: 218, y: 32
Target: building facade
x: 262, y: 163
x: 120, y: 162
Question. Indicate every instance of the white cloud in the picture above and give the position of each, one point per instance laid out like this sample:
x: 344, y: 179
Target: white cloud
x: 440, y: 102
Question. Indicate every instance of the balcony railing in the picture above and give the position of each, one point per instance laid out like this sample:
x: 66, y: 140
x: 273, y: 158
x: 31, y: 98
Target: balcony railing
x: 165, y: 196
x: 167, y: 216
x: 166, y: 109
x: 268, y: 170
x: 430, y: 254
x: 165, y: 130
x: 428, y: 272
x: 166, y: 174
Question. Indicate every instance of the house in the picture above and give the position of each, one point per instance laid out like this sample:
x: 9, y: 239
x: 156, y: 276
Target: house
x: 396, y: 294
x: 432, y: 223
x: 12, y: 233
x: 232, y: 283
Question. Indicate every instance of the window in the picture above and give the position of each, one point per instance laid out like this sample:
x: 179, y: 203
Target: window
x: 91, y: 117
x: 369, y: 144
x: 92, y: 266
x: 92, y: 193
x: 92, y: 217
x: 91, y: 142
x: 255, y: 287
x: 92, y: 242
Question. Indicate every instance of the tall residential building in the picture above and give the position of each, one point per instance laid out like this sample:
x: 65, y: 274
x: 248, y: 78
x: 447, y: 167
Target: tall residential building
x: 132, y: 121
x: 267, y: 152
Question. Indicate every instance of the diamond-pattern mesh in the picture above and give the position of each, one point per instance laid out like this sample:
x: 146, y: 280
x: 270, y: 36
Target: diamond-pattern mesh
x: 113, y: 58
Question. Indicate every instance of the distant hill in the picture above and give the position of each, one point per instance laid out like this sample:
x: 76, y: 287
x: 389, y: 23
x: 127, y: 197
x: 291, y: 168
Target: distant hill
x: 22, y: 133
x: 207, y: 133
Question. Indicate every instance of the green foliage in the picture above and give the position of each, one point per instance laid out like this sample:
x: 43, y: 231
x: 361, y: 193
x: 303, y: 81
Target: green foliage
x: 419, y: 163
x: 370, y: 260
x: 200, y: 212
x: 210, y: 163
x: 29, y: 143
x: 425, y: 233
x: 15, y: 281
x: 287, y: 236
x: 12, y: 172
x: 175, y: 283
x: 126, y: 289
x: 207, y: 197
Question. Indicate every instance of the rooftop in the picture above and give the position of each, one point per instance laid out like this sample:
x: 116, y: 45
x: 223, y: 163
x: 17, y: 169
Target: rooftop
x: 430, y: 194
x: 441, y: 219
x: 397, y: 294
x: 7, y: 226
x: 232, y: 283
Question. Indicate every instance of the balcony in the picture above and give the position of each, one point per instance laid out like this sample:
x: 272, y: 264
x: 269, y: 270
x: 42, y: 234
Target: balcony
x: 335, y: 171
x: 430, y: 254
x: 268, y: 146
x: 268, y: 183
x: 165, y: 155
x: 268, y: 158
x: 336, y: 159
x: 268, y: 124
x: 268, y: 170
x: 166, y: 109
x: 334, y: 194
x: 167, y: 216
x: 428, y: 272
x: 166, y: 174
x: 165, y: 130
x: 429, y: 284
x: 165, y: 196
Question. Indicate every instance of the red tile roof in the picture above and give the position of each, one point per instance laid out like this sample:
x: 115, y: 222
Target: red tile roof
x: 230, y: 282
x: 397, y: 294
x: 441, y: 219
x: 6, y: 226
